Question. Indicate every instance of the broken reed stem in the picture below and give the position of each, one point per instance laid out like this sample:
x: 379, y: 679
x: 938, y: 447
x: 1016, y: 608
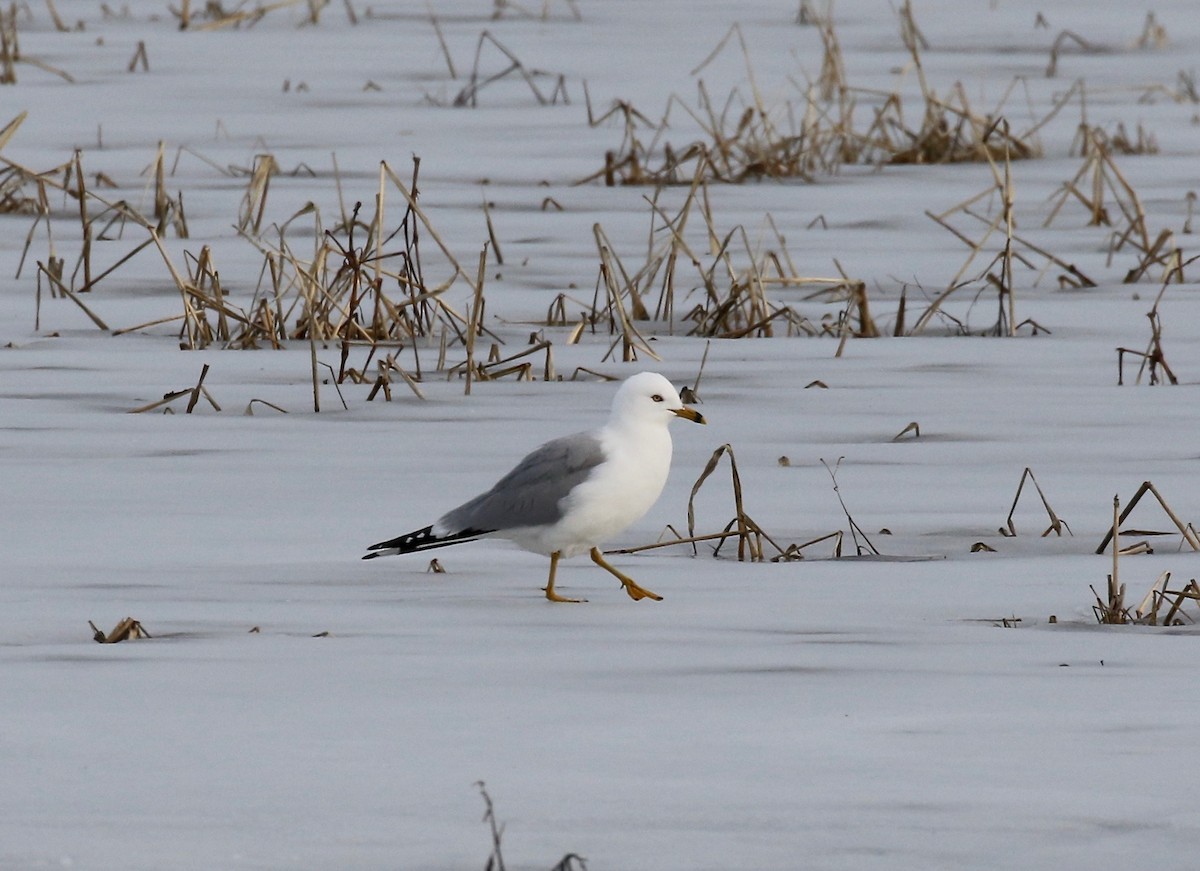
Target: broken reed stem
x: 69, y: 294
x: 1185, y: 529
x: 690, y: 539
x: 1190, y: 591
x: 1056, y: 525
x: 700, y: 371
x: 487, y: 215
x: 126, y: 629
x: 1113, y: 611
x: 437, y: 29
x: 311, y: 316
x: 749, y: 534
x: 141, y: 57
x: 193, y: 393
x: 7, y: 131
x: 196, y: 390
x: 855, y: 529
x: 410, y: 199
x: 496, y: 860
x: 476, y: 316
x: 84, y: 224
x: 1006, y: 272
x: 1113, y: 580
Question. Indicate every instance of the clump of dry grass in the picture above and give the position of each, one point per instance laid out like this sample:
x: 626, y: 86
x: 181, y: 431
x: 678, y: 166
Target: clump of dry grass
x: 750, y: 537
x: 364, y: 288
x: 27, y: 191
x: 1009, y: 251
x: 1108, y: 199
x: 1111, y: 201
x: 716, y: 282
x: 368, y: 285
x: 98, y: 218
x: 1099, y: 182
x: 743, y: 138
x: 1111, y: 608
x: 830, y: 122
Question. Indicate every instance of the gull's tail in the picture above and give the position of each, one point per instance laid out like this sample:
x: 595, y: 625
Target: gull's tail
x: 422, y: 539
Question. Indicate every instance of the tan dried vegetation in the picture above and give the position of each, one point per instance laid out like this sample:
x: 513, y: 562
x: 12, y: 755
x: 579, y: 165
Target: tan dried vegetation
x: 373, y: 286
x: 828, y: 124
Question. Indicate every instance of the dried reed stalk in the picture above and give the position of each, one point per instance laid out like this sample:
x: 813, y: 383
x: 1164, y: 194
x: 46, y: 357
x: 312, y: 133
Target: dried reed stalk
x: 745, y: 139
x: 1190, y: 592
x: 57, y: 284
x: 9, y: 130
x: 1105, y: 176
x: 127, y: 629
x: 1015, y: 248
x: 734, y: 277
x: 193, y: 393
x: 1060, y: 42
x: 139, y: 57
x: 1158, y: 595
x: 437, y: 29
x: 475, y: 319
x: 617, y: 292
x: 254, y: 202
x: 1112, y: 610
x: 1057, y: 525
x: 1153, y: 357
x: 469, y: 95
x: 1147, y: 611
x: 10, y: 49
x: 1186, y: 530
x: 855, y: 529
x: 750, y: 536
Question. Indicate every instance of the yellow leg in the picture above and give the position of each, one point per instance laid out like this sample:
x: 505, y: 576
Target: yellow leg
x: 550, y: 594
x: 635, y: 592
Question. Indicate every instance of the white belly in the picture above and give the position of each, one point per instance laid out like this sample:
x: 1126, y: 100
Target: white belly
x: 621, y: 491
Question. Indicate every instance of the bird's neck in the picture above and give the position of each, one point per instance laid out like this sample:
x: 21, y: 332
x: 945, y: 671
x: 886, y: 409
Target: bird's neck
x: 643, y: 434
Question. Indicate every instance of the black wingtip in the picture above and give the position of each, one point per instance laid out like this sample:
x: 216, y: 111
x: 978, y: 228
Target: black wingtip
x: 406, y: 543
x: 422, y: 539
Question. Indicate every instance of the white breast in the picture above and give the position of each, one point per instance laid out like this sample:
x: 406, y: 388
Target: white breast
x: 621, y: 491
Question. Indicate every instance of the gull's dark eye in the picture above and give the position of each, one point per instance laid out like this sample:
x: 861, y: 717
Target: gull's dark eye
x: 657, y: 398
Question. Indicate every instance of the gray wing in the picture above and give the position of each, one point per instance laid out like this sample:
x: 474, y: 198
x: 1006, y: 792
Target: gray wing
x: 530, y: 494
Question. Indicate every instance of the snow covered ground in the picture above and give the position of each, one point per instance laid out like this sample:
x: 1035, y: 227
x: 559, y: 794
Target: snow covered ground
x: 822, y: 713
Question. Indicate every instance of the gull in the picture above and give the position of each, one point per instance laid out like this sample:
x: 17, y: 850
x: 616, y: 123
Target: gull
x: 574, y: 492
